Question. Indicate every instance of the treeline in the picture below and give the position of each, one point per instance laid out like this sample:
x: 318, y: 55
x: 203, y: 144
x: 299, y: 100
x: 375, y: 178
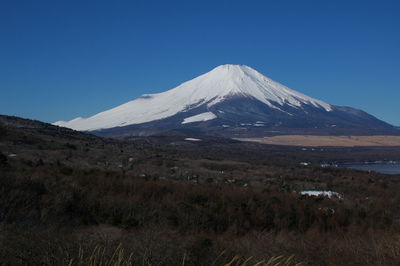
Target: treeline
x: 50, y: 194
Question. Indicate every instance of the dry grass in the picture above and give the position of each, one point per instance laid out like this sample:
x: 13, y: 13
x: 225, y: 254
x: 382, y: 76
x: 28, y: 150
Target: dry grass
x: 334, y: 141
x: 119, y: 257
x: 98, y: 258
x: 273, y: 261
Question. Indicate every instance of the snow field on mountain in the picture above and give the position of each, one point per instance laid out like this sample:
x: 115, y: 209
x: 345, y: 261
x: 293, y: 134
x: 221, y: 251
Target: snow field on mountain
x: 199, y: 118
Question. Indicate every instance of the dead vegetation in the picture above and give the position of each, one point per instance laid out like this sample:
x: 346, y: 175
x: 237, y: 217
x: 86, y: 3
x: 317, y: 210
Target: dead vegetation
x: 69, y: 199
x: 325, y: 141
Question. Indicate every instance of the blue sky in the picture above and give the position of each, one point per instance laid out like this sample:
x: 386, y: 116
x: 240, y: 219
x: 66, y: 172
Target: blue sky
x: 63, y: 59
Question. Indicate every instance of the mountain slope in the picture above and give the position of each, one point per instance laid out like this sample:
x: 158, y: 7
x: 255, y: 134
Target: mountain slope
x: 229, y: 100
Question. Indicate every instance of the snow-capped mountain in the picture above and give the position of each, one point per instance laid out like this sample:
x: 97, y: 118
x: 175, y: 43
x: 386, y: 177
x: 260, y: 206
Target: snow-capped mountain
x: 228, y: 100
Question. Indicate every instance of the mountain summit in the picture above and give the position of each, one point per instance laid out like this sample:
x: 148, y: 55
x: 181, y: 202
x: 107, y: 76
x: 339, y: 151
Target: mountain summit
x: 232, y: 100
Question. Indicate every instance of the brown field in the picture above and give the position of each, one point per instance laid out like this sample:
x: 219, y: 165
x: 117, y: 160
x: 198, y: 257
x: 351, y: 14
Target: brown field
x: 337, y: 141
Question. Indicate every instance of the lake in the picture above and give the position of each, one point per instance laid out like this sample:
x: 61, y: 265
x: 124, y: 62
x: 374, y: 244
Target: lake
x: 391, y: 168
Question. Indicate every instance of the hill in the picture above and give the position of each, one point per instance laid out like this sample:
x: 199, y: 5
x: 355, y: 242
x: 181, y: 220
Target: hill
x: 65, y: 195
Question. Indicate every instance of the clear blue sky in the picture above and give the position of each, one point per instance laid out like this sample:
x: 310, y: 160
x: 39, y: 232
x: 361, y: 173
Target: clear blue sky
x: 63, y: 59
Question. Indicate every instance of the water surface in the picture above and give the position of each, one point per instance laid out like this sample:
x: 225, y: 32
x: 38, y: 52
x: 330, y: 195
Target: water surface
x: 392, y: 168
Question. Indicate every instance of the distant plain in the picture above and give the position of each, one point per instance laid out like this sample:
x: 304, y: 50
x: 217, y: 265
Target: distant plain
x: 332, y: 141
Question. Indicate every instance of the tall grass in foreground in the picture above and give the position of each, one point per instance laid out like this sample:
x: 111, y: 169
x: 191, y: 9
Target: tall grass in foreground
x: 121, y: 258
x: 273, y: 261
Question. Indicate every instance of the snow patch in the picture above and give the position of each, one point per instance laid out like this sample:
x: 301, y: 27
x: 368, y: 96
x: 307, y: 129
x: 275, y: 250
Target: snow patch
x: 199, y: 118
x: 192, y: 139
x: 259, y: 124
x: 325, y: 193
